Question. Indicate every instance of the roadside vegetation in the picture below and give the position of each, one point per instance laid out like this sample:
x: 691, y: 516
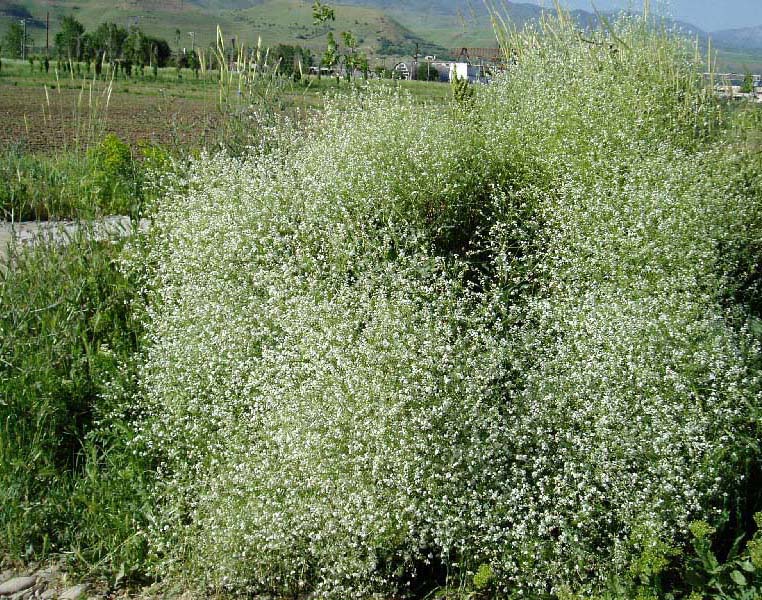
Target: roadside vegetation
x: 70, y: 338
x: 505, y: 347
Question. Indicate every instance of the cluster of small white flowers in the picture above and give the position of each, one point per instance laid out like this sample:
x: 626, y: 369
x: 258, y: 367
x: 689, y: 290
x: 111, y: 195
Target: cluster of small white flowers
x: 344, y: 391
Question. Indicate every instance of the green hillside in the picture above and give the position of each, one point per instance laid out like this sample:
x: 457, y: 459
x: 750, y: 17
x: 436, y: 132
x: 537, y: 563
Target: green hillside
x: 275, y: 21
x: 291, y: 21
x: 739, y: 61
x: 155, y: 18
x: 383, y: 27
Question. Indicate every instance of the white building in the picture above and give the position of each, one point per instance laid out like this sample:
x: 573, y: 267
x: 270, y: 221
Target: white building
x: 464, y: 70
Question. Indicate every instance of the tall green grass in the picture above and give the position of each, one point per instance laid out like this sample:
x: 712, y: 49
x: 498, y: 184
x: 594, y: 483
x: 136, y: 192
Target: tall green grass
x: 87, y: 174
x: 70, y: 332
x: 106, y: 179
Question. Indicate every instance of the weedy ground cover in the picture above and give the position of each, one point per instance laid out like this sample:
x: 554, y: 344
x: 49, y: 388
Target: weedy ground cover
x: 81, y: 147
x: 502, y: 350
x: 105, y: 179
x: 70, y: 331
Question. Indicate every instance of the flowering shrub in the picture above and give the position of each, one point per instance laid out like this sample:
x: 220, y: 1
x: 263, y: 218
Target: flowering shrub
x: 412, y: 349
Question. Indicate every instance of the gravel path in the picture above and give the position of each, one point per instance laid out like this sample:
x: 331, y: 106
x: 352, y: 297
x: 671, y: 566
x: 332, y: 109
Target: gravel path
x: 29, y: 233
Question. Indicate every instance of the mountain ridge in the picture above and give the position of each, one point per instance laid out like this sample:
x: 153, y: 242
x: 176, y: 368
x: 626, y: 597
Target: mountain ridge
x: 743, y: 38
x: 386, y: 27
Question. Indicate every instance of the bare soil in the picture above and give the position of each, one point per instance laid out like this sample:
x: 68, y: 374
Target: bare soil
x: 65, y: 118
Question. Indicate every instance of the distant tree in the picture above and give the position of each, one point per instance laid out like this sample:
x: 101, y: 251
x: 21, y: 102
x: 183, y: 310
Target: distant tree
x: 134, y: 49
x: 427, y: 73
x: 155, y: 59
x: 13, y: 40
x: 69, y: 39
x: 331, y: 54
x: 350, y: 56
x: 748, y: 83
x: 291, y: 59
x: 194, y: 62
x: 320, y: 14
x: 162, y: 53
x: 307, y: 58
x: 109, y: 40
x: 361, y: 60
x: 88, y: 47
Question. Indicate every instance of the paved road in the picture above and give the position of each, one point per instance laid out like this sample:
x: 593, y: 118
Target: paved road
x: 60, y: 232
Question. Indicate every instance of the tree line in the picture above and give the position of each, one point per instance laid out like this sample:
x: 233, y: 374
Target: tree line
x: 108, y: 43
x: 127, y: 49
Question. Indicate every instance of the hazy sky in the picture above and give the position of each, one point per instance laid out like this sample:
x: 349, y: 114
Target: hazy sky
x: 710, y: 15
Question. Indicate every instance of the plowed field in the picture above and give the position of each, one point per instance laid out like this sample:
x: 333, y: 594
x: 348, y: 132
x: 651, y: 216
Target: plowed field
x: 60, y: 119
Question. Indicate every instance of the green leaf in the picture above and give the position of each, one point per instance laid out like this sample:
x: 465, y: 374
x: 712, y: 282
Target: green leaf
x: 738, y: 578
x: 747, y: 566
x: 736, y: 547
x: 694, y: 579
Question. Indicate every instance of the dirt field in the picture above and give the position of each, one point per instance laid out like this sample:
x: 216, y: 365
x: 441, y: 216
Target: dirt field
x: 61, y: 119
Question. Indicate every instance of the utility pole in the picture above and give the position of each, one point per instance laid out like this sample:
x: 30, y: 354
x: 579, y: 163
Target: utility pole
x: 23, y: 40
x: 414, y: 74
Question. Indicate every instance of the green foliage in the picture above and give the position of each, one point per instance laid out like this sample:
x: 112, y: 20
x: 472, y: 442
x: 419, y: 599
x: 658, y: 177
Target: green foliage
x: 738, y: 577
x: 69, y: 481
x: 292, y: 60
x: 142, y: 50
x: 443, y: 343
x: 33, y: 188
x: 427, y: 73
x: 483, y: 578
x: 748, y: 84
x: 13, y: 39
x: 103, y: 180
x: 322, y: 13
x: 509, y: 355
x: 352, y: 58
x: 462, y: 92
x: 114, y: 176
x: 69, y: 39
x: 331, y: 56
x: 107, y: 42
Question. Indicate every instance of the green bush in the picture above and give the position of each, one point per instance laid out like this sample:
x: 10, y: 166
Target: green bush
x: 427, y: 73
x: 114, y: 176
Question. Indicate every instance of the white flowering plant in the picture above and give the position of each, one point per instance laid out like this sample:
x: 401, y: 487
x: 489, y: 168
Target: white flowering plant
x: 418, y: 345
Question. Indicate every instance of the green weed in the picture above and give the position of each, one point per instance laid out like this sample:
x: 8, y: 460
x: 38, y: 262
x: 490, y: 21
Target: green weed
x: 69, y: 481
x: 105, y: 180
